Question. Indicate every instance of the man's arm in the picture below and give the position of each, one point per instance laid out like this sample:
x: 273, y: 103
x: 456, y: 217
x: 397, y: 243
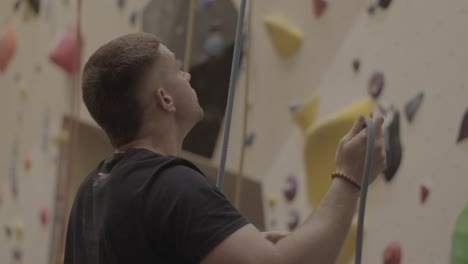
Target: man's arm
x: 320, y: 238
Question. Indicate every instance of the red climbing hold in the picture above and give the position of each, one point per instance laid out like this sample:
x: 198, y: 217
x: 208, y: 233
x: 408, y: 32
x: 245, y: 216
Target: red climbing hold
x: 27, y: 163
x: 319, y: 7
x: 67, y: 51
x: 44, y: 216
x: 423, y: 193
x: 392, y: 254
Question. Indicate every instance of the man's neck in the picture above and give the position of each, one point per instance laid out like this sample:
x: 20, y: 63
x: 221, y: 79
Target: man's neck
x: 167, y: 143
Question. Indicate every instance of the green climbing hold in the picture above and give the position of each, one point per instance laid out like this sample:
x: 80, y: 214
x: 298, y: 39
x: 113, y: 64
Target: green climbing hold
x: 459, y: 252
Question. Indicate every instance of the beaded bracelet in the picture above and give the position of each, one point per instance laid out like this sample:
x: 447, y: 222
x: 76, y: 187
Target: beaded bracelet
x: 347, y: 179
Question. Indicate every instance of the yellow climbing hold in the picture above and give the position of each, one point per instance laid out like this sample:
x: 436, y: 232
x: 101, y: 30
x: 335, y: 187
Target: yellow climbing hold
x: 250, y: 102
x: 19, y: 231
x: 61, y: 137
x: 27, y: 12
x: 23, y: 91
x: 347, y: 251
x: 286, y: 38
x: 271, y: 199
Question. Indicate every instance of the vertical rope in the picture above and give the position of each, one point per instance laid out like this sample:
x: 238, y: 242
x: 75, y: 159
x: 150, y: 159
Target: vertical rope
x: 73, y: 122
x: 365, y: 184
x: 231, y: 94
x: 189, y: 36
x: 240, y: 175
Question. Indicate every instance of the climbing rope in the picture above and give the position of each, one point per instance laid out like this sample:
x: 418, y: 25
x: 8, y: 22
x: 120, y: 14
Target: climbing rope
x: 231, y: 94
x: 365, y: 185
x: 240, y: 175
x: 189, y: 36
x: 72, y: 124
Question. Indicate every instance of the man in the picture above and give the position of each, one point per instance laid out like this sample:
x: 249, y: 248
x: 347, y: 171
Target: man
x: 143, y: 204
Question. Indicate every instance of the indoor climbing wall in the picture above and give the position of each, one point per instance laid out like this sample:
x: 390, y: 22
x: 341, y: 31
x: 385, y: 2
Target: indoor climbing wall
x: 408, y: 59
x: 38, y: 41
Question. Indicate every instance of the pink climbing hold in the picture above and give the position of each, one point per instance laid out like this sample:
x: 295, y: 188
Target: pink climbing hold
x: 319, y: 7
x: 7, y: 46
x: 392, y: 254
x: 44, y: 216
x: 67, y: 52
x: 423, y: 193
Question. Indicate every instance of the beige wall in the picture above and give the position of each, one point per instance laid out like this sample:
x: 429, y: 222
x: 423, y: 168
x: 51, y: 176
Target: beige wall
x: 421, y: 46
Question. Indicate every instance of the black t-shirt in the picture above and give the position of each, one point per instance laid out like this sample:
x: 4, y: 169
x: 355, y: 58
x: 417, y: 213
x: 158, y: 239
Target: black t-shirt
x: 141, y: 207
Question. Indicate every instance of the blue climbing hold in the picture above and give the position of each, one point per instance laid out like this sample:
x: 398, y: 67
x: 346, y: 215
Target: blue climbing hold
x: 412, y: 107
x: 371, y: 8
x: 294, y: 107
x: 250, y: 139
x: 290, y: 188
x: 202, y: 4
x: 215, y: 44
x: 293, y: 219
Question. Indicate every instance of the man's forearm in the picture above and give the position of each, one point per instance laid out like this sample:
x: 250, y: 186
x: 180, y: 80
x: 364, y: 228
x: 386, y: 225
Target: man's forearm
x: 321, y: 237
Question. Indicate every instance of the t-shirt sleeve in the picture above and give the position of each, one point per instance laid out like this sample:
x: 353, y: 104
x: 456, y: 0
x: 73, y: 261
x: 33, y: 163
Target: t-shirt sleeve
x: 189, y: 215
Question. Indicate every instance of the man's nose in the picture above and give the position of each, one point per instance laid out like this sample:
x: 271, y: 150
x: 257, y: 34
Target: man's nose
x: 188, y: 76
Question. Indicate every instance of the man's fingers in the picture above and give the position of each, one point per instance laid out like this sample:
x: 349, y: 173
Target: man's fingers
x: 378, y: 123
x: 358, y: 126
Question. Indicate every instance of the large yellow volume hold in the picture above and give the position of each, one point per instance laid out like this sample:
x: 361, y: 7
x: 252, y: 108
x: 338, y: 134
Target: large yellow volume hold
x: 321, y: 141
x: 286, y: 38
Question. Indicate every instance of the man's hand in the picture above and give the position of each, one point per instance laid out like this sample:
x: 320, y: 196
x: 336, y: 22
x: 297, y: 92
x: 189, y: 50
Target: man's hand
x: 351, y: 151
x: 275, y: 236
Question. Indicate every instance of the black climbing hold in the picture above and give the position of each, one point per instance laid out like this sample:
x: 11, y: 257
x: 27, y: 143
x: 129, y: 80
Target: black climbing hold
x: 464, y: 128
x: 17, y: 5
x: 385, y: 3
x: 133, y: 18
x: 411, y: 108
x: 121, y: 3
x: 356, y: 65
x: 393, y: 146
x: 376, y: 84
x: 8, y: 231
x: 35, y: 5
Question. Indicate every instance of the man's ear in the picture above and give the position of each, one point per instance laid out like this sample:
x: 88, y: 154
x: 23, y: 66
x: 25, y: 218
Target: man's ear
x: 165, y: 100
